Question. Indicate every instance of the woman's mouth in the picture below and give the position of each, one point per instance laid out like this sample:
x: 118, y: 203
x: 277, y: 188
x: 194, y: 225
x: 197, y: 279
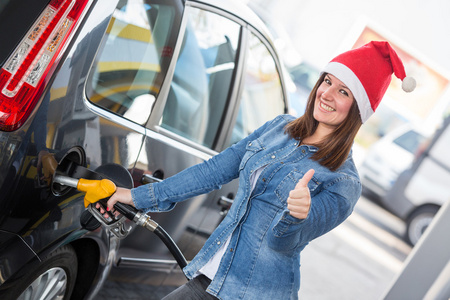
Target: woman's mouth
x: 326, y: 107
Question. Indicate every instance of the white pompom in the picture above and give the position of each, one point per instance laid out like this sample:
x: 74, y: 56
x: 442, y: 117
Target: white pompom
x: 408, y: 84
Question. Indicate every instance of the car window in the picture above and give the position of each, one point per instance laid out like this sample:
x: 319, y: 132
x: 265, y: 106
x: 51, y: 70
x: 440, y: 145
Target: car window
x: 202, y: 78
x: 138, y: 46
x: 409, y: 141
x: 262, y: 97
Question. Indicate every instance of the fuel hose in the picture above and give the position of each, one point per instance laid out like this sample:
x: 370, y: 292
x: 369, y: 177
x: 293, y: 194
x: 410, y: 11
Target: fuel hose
x: 148, y: 223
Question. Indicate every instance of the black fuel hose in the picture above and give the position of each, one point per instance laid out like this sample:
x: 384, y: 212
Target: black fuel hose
x: 170, y: 244
x: 145, y: 221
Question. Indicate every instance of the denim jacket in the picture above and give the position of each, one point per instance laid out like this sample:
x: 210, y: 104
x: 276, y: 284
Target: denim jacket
x: 263, y: 257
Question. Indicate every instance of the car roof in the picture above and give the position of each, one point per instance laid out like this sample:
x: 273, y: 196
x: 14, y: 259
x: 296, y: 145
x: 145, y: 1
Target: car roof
x: 239, y: 10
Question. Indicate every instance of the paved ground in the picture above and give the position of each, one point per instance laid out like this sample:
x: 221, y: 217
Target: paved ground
x: 132, y: 291
x: 358, y: 260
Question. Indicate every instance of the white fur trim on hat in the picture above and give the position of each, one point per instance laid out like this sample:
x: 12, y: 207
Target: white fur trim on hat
x: 346, y: 75
x: 408, y: 84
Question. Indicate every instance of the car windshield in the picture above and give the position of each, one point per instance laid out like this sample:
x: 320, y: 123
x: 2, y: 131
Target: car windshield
x: 304, y: 75
x: 410, y: 141
x: 16, y: 18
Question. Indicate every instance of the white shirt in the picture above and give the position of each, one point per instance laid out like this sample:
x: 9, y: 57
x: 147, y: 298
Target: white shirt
x: 211, y: 267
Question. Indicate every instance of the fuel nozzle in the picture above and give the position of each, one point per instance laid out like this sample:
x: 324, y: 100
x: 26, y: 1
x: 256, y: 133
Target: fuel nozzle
x: 94, y: 189
x: 97, y: 191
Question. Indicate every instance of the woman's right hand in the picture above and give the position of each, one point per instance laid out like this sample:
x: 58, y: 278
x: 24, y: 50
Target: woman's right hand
x: 122, y: 195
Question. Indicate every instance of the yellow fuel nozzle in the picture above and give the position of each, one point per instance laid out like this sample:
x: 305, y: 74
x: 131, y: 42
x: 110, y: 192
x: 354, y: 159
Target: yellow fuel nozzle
x: 95, y: 189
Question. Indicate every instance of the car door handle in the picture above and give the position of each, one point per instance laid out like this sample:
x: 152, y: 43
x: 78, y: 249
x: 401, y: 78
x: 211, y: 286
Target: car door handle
x: 146, y: 178
x: 225, y: 202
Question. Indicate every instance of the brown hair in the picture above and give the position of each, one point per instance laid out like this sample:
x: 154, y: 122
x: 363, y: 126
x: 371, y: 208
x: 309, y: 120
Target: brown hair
x: 335, y: 147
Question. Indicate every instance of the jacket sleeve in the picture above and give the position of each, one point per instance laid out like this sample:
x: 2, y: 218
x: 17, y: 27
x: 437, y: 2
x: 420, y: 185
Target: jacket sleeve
x: 196, y: 180
x: 329, y: 208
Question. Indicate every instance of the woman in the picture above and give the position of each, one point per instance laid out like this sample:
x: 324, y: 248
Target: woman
x: 297, y: 181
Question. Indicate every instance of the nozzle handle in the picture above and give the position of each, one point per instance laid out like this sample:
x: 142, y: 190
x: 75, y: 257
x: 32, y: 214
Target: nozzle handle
x: 127, y: 210
x: 95, y: 189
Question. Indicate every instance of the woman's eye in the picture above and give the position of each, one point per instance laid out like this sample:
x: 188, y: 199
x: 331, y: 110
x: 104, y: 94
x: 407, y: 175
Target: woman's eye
x: 344, y: 92
x: 327, y: 81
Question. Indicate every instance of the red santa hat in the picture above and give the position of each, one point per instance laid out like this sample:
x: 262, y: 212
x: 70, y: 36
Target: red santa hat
x: 367, y: 71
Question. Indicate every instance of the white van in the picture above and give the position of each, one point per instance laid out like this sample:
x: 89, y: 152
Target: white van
x: 387, y: 158
x: 421, y: 190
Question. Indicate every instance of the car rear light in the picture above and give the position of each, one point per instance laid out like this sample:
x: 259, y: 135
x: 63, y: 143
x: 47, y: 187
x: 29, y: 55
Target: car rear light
x: 26, y: 72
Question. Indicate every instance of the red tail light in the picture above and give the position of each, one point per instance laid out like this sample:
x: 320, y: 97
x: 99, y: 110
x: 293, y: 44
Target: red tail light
x: 27, y: 70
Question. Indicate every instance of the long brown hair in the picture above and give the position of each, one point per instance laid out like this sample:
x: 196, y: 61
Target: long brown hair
x: 335, y: 147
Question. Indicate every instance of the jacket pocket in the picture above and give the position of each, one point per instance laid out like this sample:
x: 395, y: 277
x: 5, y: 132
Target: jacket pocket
x: 290, y: 181
x: 252, y: 148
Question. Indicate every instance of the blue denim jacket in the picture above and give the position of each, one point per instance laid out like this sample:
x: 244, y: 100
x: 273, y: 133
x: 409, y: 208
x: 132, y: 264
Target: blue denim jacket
x: 263, y: 258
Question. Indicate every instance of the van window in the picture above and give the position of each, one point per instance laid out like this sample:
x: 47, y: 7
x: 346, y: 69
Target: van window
x: 138, y: 46
x: 409, y: 141
x: 202, y: 78
x: 262, y: 97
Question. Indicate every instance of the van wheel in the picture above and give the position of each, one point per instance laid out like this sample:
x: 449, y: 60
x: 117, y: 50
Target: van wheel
x: 54, y: 278
x: 418, y: 222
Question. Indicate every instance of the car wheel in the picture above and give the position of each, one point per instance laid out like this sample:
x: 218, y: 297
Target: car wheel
x: 418, y: 222
x: 54, y: 278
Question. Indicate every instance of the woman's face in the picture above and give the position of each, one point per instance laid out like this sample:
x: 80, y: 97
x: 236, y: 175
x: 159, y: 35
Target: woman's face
x: 333, y: 102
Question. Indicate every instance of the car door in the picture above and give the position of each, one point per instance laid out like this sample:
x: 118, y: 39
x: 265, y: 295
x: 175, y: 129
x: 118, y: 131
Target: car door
x: 184, y: 126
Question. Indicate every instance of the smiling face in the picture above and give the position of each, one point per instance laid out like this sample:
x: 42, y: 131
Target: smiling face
x: 333, y: 102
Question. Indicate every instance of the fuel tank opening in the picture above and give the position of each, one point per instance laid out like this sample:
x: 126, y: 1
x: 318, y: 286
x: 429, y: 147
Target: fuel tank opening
x: 68, y: 165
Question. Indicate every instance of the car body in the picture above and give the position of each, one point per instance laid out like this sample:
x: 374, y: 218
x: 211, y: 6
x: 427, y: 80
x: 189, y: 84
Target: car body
x: 422, y: 189
x: 147, y: 87
x: 388, y: 157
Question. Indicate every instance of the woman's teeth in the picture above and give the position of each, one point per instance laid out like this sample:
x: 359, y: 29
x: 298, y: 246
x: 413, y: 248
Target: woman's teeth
x: 326, y: 107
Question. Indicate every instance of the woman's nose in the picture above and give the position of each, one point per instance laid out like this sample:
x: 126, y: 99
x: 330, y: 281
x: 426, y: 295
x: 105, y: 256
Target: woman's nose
x: 327, y: 93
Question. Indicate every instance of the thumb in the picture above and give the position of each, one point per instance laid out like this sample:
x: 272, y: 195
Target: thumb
x: 305, y: 179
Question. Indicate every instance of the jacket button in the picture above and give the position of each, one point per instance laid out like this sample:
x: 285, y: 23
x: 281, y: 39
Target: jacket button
x: 231, y: 249
x: 249, y: 144
x: 303, y: 150
x: 218, y: 243
x: 264, y: 180
x: 273, y: 156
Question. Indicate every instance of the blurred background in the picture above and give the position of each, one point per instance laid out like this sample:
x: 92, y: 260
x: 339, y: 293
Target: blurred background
x: 313, y: 32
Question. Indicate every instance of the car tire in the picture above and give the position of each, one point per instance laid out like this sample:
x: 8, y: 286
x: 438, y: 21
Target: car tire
x: 54, y: 278
x: 418, y: 222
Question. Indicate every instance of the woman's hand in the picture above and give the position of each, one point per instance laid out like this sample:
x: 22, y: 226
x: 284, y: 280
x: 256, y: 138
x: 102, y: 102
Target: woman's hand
x: 121, y: 195
x: 299, y: 200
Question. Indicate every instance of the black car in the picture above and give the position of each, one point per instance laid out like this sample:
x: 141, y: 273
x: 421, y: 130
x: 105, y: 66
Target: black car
x: 133, y: 91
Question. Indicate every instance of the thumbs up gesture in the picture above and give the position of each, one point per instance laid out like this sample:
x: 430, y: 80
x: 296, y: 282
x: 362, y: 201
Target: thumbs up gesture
x: 299, y: 200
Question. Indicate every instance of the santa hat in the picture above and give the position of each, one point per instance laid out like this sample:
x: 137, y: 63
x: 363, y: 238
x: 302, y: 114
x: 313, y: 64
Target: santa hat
x: 367, y: 71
